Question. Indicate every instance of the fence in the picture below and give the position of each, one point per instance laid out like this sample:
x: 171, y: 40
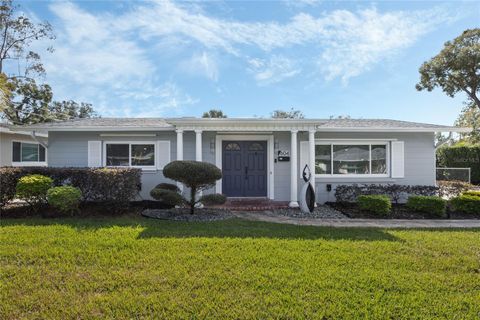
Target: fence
x: 459, y: 174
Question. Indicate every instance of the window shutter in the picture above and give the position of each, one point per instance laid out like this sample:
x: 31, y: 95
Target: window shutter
x: 304, y: 156
x: 398, y: 159
x: 41, y: 153
x: 16, y: 151
x: 94, y: 153
x: 163, y: 154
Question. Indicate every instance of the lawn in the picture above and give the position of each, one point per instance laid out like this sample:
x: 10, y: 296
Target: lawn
x: 131, y: 267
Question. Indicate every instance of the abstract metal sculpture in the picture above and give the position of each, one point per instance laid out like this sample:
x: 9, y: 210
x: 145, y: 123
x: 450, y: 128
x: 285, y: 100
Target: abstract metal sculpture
x: 307, y: 197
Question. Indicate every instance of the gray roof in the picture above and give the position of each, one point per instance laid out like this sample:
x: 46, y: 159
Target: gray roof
x: 145, y: 124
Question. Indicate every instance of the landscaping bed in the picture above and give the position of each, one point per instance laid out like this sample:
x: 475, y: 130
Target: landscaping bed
x: 320, y: 212
x: 183, y: 214
x: 398, y: 211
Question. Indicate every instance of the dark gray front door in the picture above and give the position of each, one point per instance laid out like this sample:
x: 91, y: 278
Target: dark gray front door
x: 244, y: 168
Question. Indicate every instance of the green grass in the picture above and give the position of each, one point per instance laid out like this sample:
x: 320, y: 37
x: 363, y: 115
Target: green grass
x: 137, y: 268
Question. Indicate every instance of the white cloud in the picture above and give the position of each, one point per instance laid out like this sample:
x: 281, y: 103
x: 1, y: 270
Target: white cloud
x: 273, y: 70
x: 201, y: 64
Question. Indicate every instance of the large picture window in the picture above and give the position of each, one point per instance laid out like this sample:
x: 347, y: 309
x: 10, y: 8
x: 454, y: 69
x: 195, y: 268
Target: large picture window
x: 27, y: 152
x: 351, y: 159
x: 130, y: 154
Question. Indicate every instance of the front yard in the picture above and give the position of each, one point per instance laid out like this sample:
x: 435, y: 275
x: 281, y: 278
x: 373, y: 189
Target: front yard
x: 132, y: 267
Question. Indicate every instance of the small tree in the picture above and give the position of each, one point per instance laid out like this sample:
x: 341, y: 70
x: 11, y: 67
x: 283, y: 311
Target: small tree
x: 214, y: 113
x: 195, y: 175
x: 291, y: 114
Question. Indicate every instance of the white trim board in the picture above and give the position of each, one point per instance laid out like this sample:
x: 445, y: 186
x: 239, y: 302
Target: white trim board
x: 270, y: 157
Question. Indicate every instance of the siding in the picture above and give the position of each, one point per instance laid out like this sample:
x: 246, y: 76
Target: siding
x: 6, y: 146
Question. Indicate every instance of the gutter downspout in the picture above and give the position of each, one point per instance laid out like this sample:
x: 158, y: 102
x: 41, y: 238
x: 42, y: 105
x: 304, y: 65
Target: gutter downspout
x: 34, y: 137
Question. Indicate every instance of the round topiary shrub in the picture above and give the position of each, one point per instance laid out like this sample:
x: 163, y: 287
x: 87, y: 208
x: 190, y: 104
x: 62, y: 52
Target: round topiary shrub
x: 433, y: 205
x: 213, y: 199
x: 169, y: 197
x: 195, y: 175
x: 66, y: 199
x: 168, y: 186
x: 468, y: 204
x: 33, y: 189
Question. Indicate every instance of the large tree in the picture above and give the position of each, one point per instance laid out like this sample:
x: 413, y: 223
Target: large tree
x: 470, y: 118
x: 214, y: 113
x: 4, y: 92
x: 291, y: 114
x: 456, y: 68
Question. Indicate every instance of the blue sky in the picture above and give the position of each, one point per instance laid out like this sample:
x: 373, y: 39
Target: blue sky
x: 248, y: 58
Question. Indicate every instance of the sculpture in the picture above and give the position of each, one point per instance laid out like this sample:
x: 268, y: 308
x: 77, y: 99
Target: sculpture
x: 307, y: 197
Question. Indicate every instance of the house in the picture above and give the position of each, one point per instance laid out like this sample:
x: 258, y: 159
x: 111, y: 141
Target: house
x: 21, y: 149
x: 258, y: 157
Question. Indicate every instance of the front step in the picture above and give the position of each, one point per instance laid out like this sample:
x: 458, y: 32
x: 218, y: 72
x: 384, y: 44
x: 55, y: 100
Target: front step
x: 252, y: 204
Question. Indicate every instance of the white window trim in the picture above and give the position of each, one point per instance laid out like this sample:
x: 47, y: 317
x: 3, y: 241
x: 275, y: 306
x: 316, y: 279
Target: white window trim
x: 28, y: 163
x: 104, y: 154
x: 356, y: 142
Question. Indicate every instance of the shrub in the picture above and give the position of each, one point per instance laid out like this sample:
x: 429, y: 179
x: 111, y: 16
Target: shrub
x: 66, y: 198
x: 33, y: 189
x: 473, y: 193
x: 432, y: 205
x: 350, y: 193
x: 466, y: 204
x: 213, y: 199
x: 195, y: 175
x: 377, y: 204
x: 453, y: 188
x: 168, y: 186
x: 113, y: 186
x: 461, y: 156
x: 168, y: 197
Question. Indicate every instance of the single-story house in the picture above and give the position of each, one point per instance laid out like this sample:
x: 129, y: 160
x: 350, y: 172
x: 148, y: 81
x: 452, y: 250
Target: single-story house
x: 21, y: 149
x: 258, y: 157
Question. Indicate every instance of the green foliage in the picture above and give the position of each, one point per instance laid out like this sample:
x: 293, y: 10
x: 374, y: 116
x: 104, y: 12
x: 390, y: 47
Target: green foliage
x: 378, y: 204
x: 168, y: 186
x: 473, y: 193
x: 65, y: 198
x: 213, y: 199
x: 33, y: 189
x: 433, y: 205
x: 291, y: 114
x: 470, y: 118
x: 168, y: 197
x: 4, y: 92
x: 469, y: 204
x: 115, y: 187
x: 214, y: 113
x: 455, y: 68
x: 195, y: 175
x: 153, y: 269
x: 461, y: 156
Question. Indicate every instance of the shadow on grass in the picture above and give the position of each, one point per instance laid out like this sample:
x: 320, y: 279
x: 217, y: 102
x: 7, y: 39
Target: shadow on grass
x: 233, y: 228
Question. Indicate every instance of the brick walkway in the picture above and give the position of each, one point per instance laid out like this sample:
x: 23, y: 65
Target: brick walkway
x: 369, y: 223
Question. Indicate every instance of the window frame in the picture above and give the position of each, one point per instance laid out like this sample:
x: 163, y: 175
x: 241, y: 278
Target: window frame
x: 28, y: 163
x: 356, y: 142
x: 130, y: 143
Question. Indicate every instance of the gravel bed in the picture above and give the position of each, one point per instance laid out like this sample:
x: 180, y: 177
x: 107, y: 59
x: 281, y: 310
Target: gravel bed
x: 320, y: 212
x: 183, y: 214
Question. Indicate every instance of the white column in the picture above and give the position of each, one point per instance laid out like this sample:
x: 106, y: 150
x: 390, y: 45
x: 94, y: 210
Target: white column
x: 293, y: 171
x: 311, y: 155
x: 198, y: 145
x: 179, y: 144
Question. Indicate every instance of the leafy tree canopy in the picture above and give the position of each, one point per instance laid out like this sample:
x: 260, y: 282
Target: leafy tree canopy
x: 291, y: 114
x: 470, y: 118
x: 214, y: 113
x: 456, y: 68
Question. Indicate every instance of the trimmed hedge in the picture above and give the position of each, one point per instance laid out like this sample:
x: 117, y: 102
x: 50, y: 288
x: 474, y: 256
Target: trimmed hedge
x: 112, y: 186
x: 65, y: 198
x: 33, y: 189
x: 473, y: 193
x: 168, y: 197
x: 466, y: 204
x: 213, y: 199
x: 377, y: 204
x: 168, y: 186
x: 461, y: 156
x: 433, y: 205
x: 350, y: 193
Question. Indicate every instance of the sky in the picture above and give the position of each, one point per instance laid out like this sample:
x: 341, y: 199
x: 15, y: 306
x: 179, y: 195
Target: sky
x: 248, y: 58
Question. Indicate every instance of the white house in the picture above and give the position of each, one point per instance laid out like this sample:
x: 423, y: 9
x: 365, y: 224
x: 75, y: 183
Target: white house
x: 258, y: 157
x: 20, y: 148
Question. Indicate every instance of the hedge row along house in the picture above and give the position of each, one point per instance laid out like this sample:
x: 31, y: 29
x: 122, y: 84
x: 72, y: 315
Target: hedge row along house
x: 259, y: 158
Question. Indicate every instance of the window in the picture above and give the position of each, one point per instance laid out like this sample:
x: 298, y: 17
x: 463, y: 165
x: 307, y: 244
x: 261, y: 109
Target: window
x: 351, y: 159
x: 255, y: 147
x: 232, y: 146
x: 130, y: 154
x: 27, y: 152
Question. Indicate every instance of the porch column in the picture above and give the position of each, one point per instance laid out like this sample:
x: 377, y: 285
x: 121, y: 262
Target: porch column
x: 180, y: 151
x: 311, y: 153
x: 198, y: 145
x: 293, y: 171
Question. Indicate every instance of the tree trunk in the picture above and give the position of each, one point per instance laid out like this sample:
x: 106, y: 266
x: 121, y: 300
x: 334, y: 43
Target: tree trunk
x: 193, y: 193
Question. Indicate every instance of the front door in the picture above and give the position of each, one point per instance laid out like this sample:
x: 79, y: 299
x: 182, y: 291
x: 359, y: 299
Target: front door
x: 244, y: 168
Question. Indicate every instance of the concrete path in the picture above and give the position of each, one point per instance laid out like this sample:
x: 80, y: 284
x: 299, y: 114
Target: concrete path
x: 369, y: 223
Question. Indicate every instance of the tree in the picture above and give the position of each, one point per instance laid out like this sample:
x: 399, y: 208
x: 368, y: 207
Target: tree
x: 214, y: 113
x: 291, y: 114
x: 470, y: 118
x: 4, y: 92
x: 17, y: 33
x: 456, y: 68
x: 66, y: 110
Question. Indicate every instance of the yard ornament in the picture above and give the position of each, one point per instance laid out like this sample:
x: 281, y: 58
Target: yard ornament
x: 307, y: 196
